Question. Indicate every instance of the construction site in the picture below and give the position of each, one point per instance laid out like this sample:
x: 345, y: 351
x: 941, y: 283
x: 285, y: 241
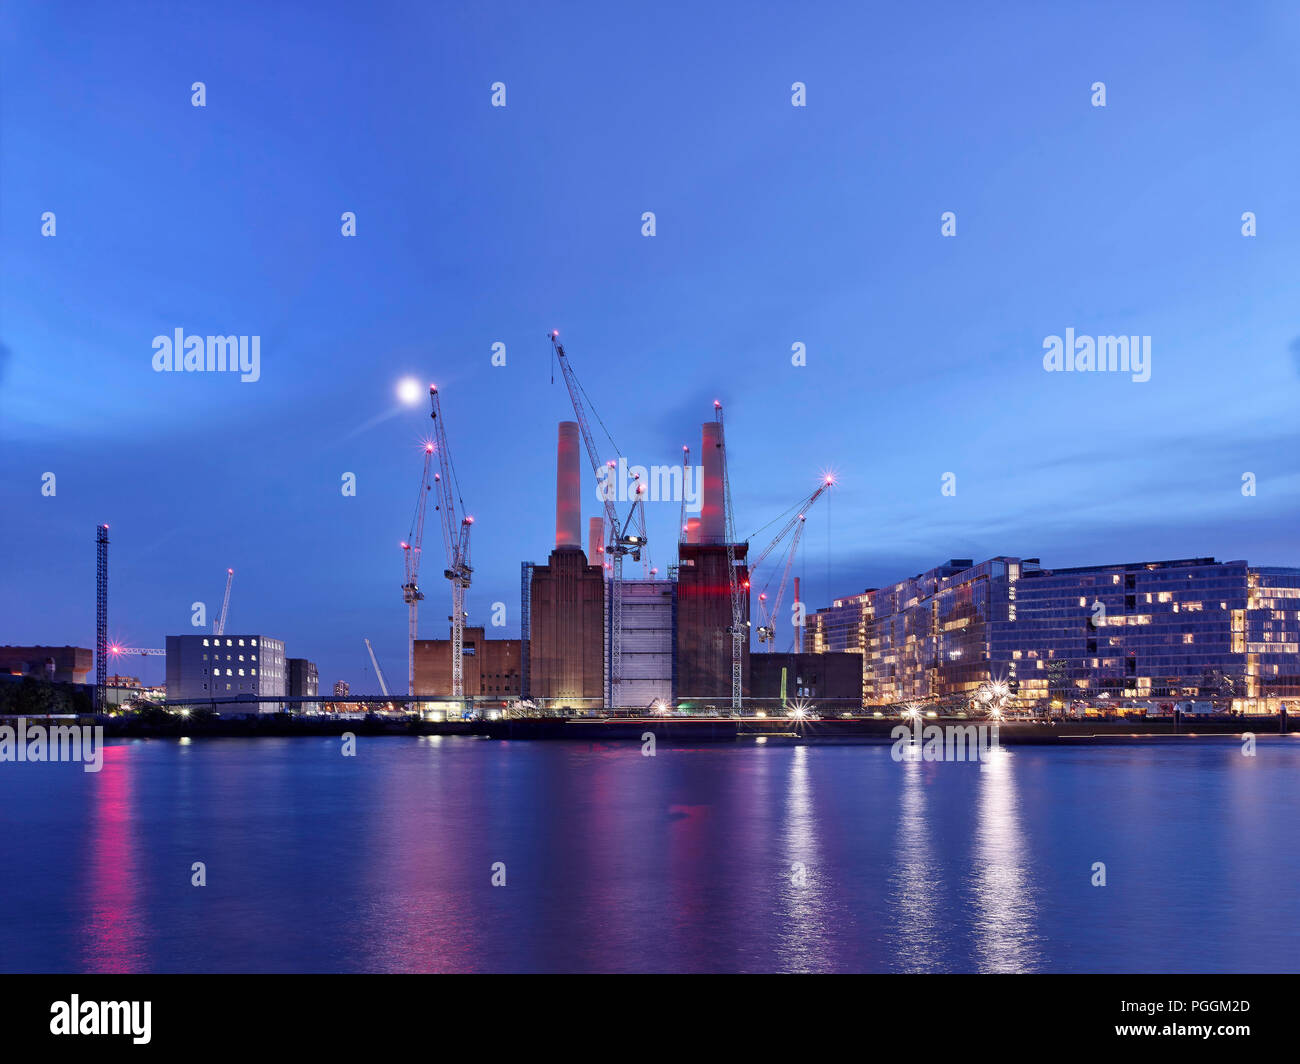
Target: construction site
x: 595, y: 638
x: 602, y: 631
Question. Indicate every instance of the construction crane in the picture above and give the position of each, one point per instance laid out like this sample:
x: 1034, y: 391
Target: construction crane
x: 455, y: 541
x: 219, y: 627
x: 768, y: 614
x: 383, y: 687
x: 686, y: 472
x: 739, y: 621
x: 627, y: 537
x: 118, y: 651
x: 411, y: 547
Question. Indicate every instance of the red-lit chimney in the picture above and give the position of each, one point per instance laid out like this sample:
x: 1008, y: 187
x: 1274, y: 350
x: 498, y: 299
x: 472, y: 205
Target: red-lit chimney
x: 596, y: 540
x: 568, y: 488
x: 712, y: 520
x: 798, y: 632
x: 692, y: 530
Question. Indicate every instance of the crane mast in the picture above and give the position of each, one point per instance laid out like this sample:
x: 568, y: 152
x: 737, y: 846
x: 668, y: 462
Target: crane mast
x: 220, y: 627
x: 686, y: 470
x: 411, y: 549
x: 455, y: 541
x: 625, y: 538
x: 739, y: 622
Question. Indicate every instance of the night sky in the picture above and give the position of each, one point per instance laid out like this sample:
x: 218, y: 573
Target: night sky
x: 775, y: 225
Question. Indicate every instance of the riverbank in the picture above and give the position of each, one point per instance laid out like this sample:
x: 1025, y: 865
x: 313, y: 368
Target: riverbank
x: 868, y: 730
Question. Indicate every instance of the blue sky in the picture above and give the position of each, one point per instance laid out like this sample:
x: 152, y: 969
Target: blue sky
x: 775, y: 225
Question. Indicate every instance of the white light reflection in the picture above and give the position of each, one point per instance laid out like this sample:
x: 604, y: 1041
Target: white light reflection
x: 1005, y: 907
x: 807, y: 915
x: 915, y: 895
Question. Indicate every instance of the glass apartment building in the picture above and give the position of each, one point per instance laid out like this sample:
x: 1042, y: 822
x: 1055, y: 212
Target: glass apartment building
x: 1151, y: 633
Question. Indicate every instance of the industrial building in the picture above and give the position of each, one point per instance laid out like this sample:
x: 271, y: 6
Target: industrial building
x: 704, y: 612
x: 206, y: 667
x: 304, y: 682
x: 56, y: 664
x: 565, y: 604
x: 1158, y: 632
x: 704, y: 623
x: 832, y: 681
x: 491, y: 667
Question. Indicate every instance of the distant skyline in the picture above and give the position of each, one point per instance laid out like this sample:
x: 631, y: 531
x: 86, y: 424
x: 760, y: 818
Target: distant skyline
x: 775, y: 225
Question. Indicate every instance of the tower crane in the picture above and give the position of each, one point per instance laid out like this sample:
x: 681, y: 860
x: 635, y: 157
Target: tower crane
x: 627, y: 537
x: 739, y: 621
x: 411, y: 548
x: 455, y: 541
x: 220, y: 627
x: 768, y: 615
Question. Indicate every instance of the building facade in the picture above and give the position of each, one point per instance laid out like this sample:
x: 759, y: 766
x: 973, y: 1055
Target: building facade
x: 56, y: 664
x: 1151, y: 632
x: 566, y: 632
x: 490, y: 668
x: 646, y: 665
x: 704, y: 622
x: 304, y: 682
x: 203, y: 668
x: 832, y: 682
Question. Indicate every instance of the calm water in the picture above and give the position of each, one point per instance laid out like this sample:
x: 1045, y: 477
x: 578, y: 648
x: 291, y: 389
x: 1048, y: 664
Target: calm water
x: 614, y: 861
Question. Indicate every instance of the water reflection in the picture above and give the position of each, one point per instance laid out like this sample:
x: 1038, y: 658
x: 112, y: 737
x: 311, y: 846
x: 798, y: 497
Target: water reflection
x: 802, y: 935
x: 112, y: 942
x: 916, y: 896
x: 1005, y: 910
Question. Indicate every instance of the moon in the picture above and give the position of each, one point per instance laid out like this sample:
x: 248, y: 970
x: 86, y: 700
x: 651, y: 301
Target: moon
x: 409, y: 391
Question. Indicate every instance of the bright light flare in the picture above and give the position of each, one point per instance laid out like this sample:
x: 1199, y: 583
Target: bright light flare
x: 409, y: 390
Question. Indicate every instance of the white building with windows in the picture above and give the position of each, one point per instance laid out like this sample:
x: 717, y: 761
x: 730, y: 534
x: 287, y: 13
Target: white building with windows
x: 203, y: 668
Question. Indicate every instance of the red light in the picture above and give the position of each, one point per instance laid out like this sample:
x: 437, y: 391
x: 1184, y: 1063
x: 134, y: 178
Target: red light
x: 469, y: 520
x: 230, y: 570
x: 406, y: 546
